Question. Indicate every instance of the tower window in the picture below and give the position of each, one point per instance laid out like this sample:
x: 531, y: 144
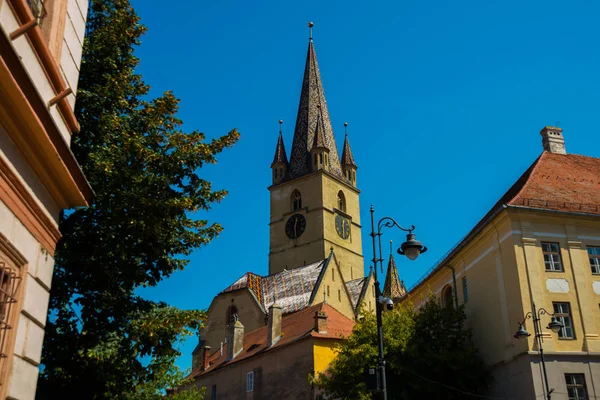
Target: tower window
x: 333, y: 275
x: 281, y: 172
x: 341, y: 201
x: 296, y: 200
x: 339, y: 295
x: 320, y: 158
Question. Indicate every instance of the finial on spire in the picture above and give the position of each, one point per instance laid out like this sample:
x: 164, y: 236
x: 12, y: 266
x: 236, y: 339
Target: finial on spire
x: 310, y: 26
x: 391, y: 252
x: 280, y: 123
x: 346, y: 128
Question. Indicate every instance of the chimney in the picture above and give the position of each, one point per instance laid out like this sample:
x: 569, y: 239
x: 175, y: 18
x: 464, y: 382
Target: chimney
x: 321, y: 322
x: 274, y: 325
x: 553, y: 140
x: 235, y: 339
x: 197, y: 355
x: 205, y: 354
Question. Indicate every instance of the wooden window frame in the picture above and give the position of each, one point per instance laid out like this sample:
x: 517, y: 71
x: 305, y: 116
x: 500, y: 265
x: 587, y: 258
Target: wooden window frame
x: 15, y: 260
x: 562, y: 317
x: 550, y: 261
x: 250, y: 382
x: 594, y: 259
x: 572, y: 385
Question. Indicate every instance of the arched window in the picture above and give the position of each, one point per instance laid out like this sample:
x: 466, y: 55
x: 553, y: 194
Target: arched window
x: 341, y: 201
x: 232, y: 315
x: 296, y: 200
x: 448, y: 297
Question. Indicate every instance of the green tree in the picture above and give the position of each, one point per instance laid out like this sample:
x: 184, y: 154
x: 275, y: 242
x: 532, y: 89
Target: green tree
x: 103, y: 341
x: 429, y: 354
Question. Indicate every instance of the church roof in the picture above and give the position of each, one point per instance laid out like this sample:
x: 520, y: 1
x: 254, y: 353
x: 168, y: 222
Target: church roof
x: 294, y: 327
x: 280, y: 154
x: 292, y: 289
x: 312, y: 108
x: 347, y: 157
x: 392, y: 287
x: 354, y: 289
x: 554, y: 182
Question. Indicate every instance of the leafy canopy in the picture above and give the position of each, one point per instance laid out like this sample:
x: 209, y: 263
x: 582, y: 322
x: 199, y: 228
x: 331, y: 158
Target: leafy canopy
x: 103, y: 341
x: 429, y: 354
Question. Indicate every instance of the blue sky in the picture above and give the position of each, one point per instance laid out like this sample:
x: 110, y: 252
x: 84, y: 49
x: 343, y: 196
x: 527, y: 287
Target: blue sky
x: 444, y: 102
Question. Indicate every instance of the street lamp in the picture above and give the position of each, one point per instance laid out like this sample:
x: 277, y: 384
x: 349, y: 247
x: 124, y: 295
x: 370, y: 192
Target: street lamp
x: 412, y: 248
x: 554, y: 325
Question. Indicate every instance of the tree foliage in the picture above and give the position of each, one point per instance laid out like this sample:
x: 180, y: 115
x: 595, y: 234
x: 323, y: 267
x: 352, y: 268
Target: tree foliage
x: 103, y: 341
x: 429, y: 354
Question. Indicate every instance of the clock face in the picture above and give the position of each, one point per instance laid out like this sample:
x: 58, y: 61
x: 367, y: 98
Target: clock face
x: 295, y: 226
x: 342, y: 226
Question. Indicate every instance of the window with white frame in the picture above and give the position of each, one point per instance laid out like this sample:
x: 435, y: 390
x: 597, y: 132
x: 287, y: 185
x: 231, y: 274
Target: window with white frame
x: 594, y: 254
x: 576, y: 389
x: 250, y: 381
x: 562, y: 312
x: 552, y: 256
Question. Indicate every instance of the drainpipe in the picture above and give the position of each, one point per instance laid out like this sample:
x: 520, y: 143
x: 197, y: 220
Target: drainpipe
x: 454, y: 286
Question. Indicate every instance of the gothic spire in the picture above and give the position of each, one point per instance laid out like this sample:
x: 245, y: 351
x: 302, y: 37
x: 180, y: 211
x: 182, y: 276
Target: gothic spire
x: 319, y: 137
x: 280, y: 154
x: 312, y: 108
x: 347, y: 157
x: 392, y: 287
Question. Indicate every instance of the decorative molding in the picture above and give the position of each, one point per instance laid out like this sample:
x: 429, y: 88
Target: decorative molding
x: 27, y: 210
x: 557, y: 285
x: 28, y: 122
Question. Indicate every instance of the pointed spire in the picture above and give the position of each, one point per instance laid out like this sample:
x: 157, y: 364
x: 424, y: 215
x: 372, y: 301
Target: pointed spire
x: 280, y: 154
x: 392, y: 287
x: 347, y: 157
x: 319, y: 139
x: 309, y: 113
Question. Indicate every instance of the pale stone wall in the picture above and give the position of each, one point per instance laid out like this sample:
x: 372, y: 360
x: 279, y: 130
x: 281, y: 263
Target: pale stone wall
x: 281, y: 373
x: 70, y: 58
x: 35, y: 287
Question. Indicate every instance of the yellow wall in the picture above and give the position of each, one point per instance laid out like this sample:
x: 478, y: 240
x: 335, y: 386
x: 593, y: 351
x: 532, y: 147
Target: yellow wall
x: 333, y: 283
x: 319, y: 206
x: 325, y: 350
x: 505, y: 272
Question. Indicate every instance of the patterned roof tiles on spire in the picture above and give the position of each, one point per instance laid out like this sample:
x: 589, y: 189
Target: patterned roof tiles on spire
x: 319, y: 139
x: 312, y: 106
x: 392, y: 287
x: 347, y: 157
x: 280, y: 154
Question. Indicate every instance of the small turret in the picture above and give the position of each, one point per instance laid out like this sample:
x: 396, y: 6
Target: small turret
x: 280, y: 162
x: 348, y: 165
x: 319, y: 152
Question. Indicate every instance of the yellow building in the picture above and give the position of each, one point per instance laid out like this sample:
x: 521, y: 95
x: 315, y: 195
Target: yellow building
x: 40, y: 53
x: 539, y: 244
x: 315, y: 267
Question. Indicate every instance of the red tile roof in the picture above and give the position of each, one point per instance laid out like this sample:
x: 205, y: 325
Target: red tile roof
x: 294, y: 327
x: 554, y: 182
x: 567, y: 182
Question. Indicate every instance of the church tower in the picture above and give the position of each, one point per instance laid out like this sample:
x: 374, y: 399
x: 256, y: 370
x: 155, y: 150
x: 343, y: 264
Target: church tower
x: 314, y: 198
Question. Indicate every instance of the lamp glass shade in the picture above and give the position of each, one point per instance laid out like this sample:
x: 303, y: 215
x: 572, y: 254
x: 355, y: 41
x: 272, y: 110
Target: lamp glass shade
x: 555, y: 325
x: 412, y: 253
x: 522, y: 332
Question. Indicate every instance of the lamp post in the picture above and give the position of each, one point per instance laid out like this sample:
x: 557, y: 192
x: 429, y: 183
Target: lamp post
x: 554, y: 325
x: 412, y: 248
